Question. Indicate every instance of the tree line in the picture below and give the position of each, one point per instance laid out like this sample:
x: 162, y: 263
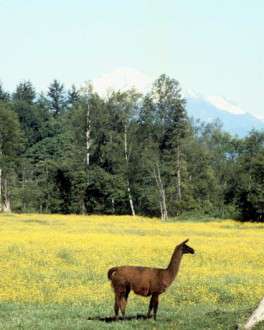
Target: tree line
x: 72, y: 151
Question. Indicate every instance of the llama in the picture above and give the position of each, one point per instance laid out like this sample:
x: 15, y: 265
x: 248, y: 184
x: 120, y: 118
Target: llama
x: 145, y: 281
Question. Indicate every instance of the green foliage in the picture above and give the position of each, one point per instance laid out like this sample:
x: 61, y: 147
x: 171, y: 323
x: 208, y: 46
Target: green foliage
x: 10, y: 134
x: 142, y: 149
x: 249, y: 187
x: 11, y: 145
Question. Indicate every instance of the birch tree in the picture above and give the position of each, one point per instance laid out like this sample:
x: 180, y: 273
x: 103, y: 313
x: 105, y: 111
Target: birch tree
x: 127, y: 109
x: 88, y: 135
x: 1, y: 155
x: 171, y: 113
x: 162, y: 195
x: 149, y: 137
x: 127, y: 170
x: 86, y: 103
x: 122, y: 106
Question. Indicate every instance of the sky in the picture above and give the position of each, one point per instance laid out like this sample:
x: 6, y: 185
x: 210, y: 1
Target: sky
x: 210, y: 46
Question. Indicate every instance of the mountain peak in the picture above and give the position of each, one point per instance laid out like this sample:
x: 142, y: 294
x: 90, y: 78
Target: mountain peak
x: 122, y: 79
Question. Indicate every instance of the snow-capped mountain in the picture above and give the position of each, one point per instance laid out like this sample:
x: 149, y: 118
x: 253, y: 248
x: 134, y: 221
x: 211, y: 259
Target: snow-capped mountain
x: 206, y: 108
x: 233, y: 118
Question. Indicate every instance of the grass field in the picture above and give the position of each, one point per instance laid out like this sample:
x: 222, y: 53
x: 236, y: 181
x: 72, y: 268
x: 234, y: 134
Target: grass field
x: 53, y: 271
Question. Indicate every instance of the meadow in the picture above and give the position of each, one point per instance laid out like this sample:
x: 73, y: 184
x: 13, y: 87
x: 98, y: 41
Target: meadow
x: 53, y: 271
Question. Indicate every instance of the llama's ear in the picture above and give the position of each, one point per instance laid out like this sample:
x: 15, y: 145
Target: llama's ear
x: 185, y: 241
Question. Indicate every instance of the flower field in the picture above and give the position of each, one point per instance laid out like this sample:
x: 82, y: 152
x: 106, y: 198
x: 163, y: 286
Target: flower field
x: 53, y: 271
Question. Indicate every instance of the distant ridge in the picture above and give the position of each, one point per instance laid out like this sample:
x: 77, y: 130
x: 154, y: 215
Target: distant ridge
x: 236, y: 123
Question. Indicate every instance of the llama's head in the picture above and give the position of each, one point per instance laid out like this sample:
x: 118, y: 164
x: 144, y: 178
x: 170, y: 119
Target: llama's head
x: 186, y: 248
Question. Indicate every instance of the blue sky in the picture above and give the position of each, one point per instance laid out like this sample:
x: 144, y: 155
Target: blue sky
x: 214, y: 47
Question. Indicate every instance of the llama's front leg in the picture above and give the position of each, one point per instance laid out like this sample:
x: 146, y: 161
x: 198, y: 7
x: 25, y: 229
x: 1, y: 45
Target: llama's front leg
x: 150, y: 307
x: 155, y: 305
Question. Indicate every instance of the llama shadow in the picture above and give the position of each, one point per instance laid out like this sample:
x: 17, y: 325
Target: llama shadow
x: 109, y: 319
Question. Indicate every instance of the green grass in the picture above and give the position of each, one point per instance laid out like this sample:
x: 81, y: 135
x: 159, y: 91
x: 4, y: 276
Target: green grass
x: 58, y: 316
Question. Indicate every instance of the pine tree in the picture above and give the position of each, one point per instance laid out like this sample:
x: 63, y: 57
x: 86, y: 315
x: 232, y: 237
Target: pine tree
x: 73, y: 96
x: 4, y: 96
x: 56, y: 96
x: 25, y: 92
x: 250, y: 195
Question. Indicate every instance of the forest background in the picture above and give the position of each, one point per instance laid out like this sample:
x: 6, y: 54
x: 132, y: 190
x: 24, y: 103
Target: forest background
x: 72, y: 151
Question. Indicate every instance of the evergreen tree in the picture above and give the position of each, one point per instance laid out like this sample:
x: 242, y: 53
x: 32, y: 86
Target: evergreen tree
x: 4, y: 96
x: 73, y: 96
x: 249, y: 194
x: 25, y: 92
x: 29, y: 114
x: 56, y: 96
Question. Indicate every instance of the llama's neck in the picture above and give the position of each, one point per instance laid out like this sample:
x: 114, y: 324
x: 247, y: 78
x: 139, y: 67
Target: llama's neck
x: 174, y: 264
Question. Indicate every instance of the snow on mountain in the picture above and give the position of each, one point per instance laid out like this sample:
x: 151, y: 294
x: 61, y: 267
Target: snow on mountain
x: 122, y: 79
x: 206, y: 108
x: 261, y: 118
x: 224, y: 104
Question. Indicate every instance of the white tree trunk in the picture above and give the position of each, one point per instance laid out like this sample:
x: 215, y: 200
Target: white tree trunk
x: 179, y: 174
x: 1, y: 197
x: 256, y: 317
x: 161, y: 210
x: 1, y: 205
x: 113, y: 205
x: 163, y: 206
x: 128, y: 183
x: 88, y: 151
x: 88, y: 135
x: 130, y: 200
x: 6, y: 197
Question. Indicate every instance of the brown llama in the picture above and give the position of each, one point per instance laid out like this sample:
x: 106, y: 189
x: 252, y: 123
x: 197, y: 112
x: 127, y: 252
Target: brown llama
x: 145, y: 281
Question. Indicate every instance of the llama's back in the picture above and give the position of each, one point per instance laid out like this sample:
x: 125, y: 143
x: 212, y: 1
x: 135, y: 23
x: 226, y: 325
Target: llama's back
x: 131, y: 272
x: 137, y: 278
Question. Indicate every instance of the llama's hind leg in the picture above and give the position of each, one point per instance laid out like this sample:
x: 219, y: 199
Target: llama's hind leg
x: 120, y: 303
x: 121, y: 297
x: 123, y: 301
x: 116, y: 306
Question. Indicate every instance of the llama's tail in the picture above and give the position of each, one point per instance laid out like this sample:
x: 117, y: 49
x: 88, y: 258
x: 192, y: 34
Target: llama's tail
x: 110, y: 272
